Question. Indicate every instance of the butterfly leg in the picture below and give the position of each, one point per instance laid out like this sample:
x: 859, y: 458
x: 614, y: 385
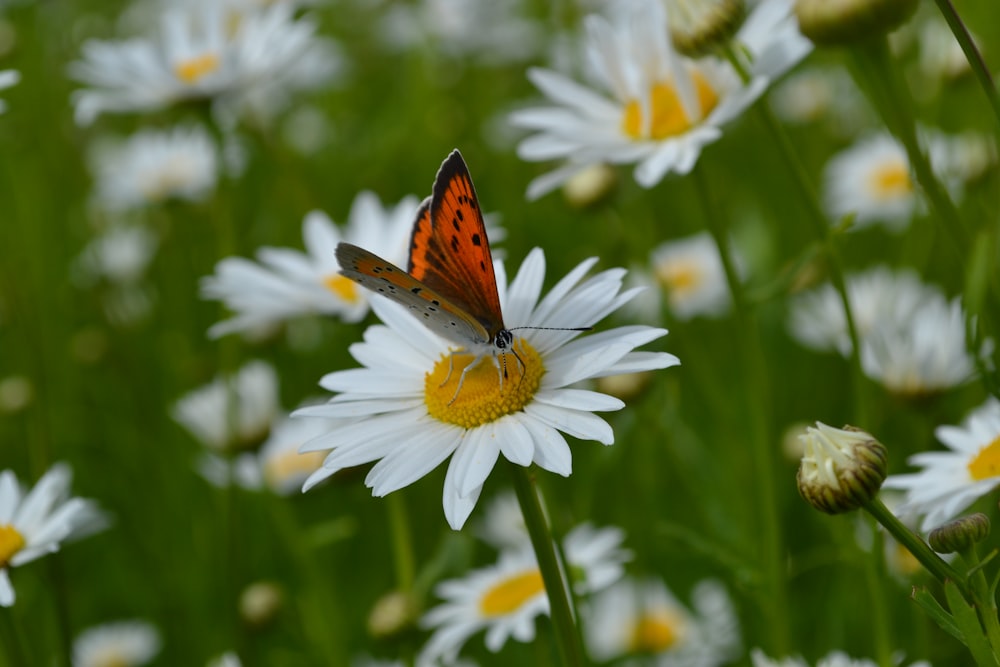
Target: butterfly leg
x: 461, y: 378
x: 451, y: 367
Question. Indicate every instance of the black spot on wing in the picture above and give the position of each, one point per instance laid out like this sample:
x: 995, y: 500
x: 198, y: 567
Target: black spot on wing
x: 476, y: 240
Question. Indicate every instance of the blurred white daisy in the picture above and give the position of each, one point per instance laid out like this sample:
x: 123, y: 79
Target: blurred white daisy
x: 455, y: 29
x: 833, y: 659
x: 8, y: 78
x: 277, y: 466
x: 663, y: 108
x: 34, y: 524
x: 952, y: 480
x: 203, y: 51
x: 690, y: 271
x: 642, y: 617
x: 877, y: 295
x: 288, y: 283
x: 206, y: 412
x: 872, y: 180
x: 120, y: 254
x: 923, y: 354
x: 505, y: 598
x: 227, y: 659
x: 502, y: 524
x: 403, y: 409
x: 817, y: 94
x: 153, y: 166
x: 121, y: 644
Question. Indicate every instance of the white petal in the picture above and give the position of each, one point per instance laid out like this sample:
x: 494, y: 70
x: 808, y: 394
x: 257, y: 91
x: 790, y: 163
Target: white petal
x: 457, y: 508
x: 551, y: 449
x: 515, y: 441
x: 7, y: 595
x: 475, y: 458
x: 580, y: 399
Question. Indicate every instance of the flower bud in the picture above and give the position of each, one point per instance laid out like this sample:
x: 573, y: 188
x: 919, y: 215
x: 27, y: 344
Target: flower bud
x: 833, y: 22
x: 392, y: 614
x: 260, y: 602
x: 841, y: 469
x: 590, y: 185
x: 698, y: 27
x: 960, y: 534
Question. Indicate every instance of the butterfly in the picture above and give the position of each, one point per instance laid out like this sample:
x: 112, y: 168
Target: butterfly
x: 449, y: 283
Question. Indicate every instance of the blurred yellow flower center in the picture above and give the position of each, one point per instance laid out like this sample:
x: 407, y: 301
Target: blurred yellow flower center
x: 654, y: 633
x: 485, y: 394
x: 11, y: 542
x: 679, y: 277
x: 986, y: 464
x: 891, y: 180
x: 285, y: 465
x: 111, y: 658
x: 192, y: 69
x: 510, y: 594
x: 345, y: 288
x: 668, y: 118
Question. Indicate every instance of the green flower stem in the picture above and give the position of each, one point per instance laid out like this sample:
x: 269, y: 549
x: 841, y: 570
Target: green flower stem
x: 933, y: 563
x: 567, y: 637
x: 874, y: 569
x: 774, y: 596
x: 11, y: 635
x: 972, y: 54
x: 402, y: 542
x: 967, y: 622
x: 983, y: 599
x: 820, y: 223
x: 881, y: 82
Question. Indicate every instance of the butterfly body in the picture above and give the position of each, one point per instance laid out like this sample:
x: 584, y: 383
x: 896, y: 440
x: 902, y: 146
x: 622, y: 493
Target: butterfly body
x: 449, y: 284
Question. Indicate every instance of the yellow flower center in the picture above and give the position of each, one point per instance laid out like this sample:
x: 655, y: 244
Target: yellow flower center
x: 668, y: 116
x: 486, y: 395
x: 345, y: 288
x: 655, y: 633
x: 891, y: 181
x: 192, y: 69
x: 111, y: 657
x: 510, y: 594
x: 986, y: 463
x: 285, y: 465
x: 680, y: 277
x: 11, y: 542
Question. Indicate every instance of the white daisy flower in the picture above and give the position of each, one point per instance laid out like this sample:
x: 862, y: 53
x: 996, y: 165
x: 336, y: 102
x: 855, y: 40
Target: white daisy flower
x: 833, y: 659
x: 402, y: 407
x: 923, y: 355
x: 952, y: 480
x: 153, y: 166
x: 691, y: 272
x: 455, y: 29
x: 8, y: 78
x: 227, y: 659
x: 287, y: 283
x: 205, y: 412
x: 871, y: 180
x: 121, y: 644
x: 34, y: 524
x: 505, y: 598
x: 878, y: 295
x: 502, y: 525
x: 643, y: 617
x: 821, y: 94
x: 204, y: 51
x: 119, y: 254
x: 663, y: 108
x: 277, y: 466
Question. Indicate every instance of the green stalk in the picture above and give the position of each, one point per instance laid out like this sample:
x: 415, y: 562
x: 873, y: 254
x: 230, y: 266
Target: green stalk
x: 972, y: 54
x: 933, y: 563
x: 774, y: 598
x: 11, y: 636
x: 567, y: 638
x: 402, y: 542
x: 983, y: 599
x: 874, y: 579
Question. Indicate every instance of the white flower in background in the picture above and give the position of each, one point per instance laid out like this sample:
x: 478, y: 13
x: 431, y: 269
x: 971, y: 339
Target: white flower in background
x: 952, y: 480
x: 922, y: 355
x: 816, y: 94
x: 204, y: 51
x: 663, y: 108
x: 871, y: 180
x: 642, y: 617
x: 121, y: 644
x: 227, y: 659
x: 502, y: 525
x: 690, y: 271
x: 153, y: 166
x: 403, y: 407
x: 120, y: 254
x: 879, y: 296
x: 8, y: 78
x: 960, y: 158
x: 833, y: 659
x: 278, y: 465
x: 205, y: 412
x: 455, y: 29
x: 941, y: 56
x: 505, y: 598
x: 287, y: 283
x: 34, y: 524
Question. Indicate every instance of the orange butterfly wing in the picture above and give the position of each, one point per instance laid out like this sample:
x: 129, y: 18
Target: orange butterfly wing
x: 449, y: 251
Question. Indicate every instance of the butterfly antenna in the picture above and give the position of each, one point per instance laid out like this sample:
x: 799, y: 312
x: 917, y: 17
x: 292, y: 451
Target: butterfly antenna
x: 553, y: 329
